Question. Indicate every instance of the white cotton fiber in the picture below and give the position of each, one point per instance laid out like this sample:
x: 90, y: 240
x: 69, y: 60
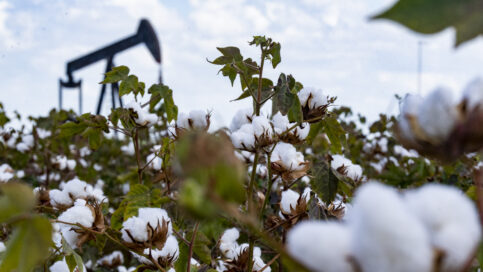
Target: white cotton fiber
x: 289, y: 200
x: 450, y: 218
x: 386, y: 236
x: 321, y: 246
x: 438, y: 114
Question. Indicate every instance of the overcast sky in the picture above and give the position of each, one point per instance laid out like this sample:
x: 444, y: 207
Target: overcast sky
x: 327, y: 44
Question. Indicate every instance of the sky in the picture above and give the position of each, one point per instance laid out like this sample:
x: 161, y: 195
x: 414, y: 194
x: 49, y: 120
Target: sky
x: 326, y: 44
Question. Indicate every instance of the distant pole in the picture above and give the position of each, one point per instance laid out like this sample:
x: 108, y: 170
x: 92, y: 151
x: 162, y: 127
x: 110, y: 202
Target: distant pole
x: 420, y: 65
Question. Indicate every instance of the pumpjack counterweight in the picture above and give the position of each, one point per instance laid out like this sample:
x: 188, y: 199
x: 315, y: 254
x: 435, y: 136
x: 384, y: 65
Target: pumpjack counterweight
x: 145, y: 34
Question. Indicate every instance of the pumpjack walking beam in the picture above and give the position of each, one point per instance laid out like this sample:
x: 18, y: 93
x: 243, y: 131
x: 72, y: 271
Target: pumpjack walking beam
x: 145, y: 34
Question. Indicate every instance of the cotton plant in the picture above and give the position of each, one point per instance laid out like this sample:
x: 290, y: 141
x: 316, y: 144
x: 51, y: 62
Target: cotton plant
x: 284, y: 186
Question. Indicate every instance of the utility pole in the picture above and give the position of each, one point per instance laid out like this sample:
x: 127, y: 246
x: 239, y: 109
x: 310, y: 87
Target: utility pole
x: 420, y: 64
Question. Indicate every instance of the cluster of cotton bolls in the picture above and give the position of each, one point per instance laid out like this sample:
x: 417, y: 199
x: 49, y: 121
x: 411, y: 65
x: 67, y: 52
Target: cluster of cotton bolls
x: 232, y: 253
x: 249, y: 132
x: 148, y: 228
x: 422, y: 229
x: 196, y: 119
x: 143, y: 117
x: 439, y: 119
x: 72, y: 190
x: 339, y: 162
x: 153, y: 160
x: 63, y: 163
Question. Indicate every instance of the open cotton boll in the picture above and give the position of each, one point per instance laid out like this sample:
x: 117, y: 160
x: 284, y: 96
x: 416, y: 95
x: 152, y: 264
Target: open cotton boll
x: 450, y: 218
x: 76, y: 188
x: 109, y: 259
x: 59, y: 198
x: 302, y: 131
x: 153, y: 216
x: 354, y: 171
x: 228, y: 244
x: 2, y: 247
x: 290, y: 158
x: 244, y: 137
x: 386, y: 236
x: 261, y: 126
x: 78, y: 214
x: 137, y: 229
x: 242, y: 116
x: 6, y: 172
x: 280, y: 123
x: 312, y: 98
x: 473, y: 94
x: 321, y: 246
x: 170, y: 249
x: 198, y: 119
x: 154, y: 161
x: 437, y: 115
x: 289, y: 200
x: 144, y: 117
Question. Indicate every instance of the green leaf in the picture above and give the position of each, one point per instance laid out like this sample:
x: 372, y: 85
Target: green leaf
x: 128, y: 85
x: 182, y: 262
x: 232, y: 52
x: 324, y: 182
x: 244, y: 95
x: 283, y: 99
x: 295, y: 112
x: 275, y: 53
x: 116, y: 74
x: 432, y: 16
x: 71, y: 128
x: 71, y: 254
x: 335, y: 133
x: 159, y: 92
x: 314, y: 131
x: 16, y: 199
x: 230, y: 72
x: 28, y: 245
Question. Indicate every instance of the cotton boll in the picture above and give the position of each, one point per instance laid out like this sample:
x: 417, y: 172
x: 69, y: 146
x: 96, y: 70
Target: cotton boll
x: 354, y: 171
x: 280, y: 123
x: 261, y: 126
x: 144, y: 117
x: 244, y: 137
x: 288, y: 156
x: 59, y: 198
x: 198, y: 119
x: 302, y: 131
x: 154, y: 161
x: 228, y: 244
x: 386, y: 236
x: 437, y: 115
x: 76, y: 188
x: 137, y: 227
x: 450, y: 218
x: 78, y: 214
x: 289, y: 200
x: 6, y: 172
x: 2, y: 247
x: 473, y: 94
x: 321, y: 246
x: 170, y: 248
x: 153, y: 216
x: 312, y: 98
x: 242, y: 116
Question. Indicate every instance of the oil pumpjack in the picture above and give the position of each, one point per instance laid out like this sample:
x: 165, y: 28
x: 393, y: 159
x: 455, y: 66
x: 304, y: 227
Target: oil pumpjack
x: 145, y: 34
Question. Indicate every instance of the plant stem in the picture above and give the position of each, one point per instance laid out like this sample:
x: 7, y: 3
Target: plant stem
x: 251, y: 184
x: 138, y: 156
x: 269, y: 184
x: 191, y: 246
x: 260, y: 73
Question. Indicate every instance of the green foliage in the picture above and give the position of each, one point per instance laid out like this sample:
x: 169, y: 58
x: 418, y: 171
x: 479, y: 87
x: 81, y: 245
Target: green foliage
x: 324, y: 183
x: 432, y: 16
x: 159, y: 92
x: 32, y: 234
x: 88, y: 126
x: 335, y: 133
